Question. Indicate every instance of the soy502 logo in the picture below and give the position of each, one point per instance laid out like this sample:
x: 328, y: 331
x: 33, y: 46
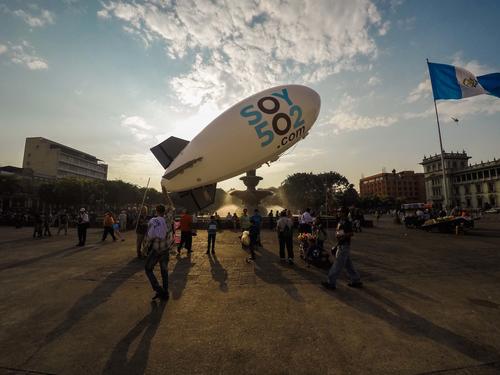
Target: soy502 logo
x: 284, y: 112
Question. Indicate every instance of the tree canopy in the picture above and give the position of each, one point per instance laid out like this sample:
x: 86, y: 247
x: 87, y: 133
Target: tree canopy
x: 302, y: 190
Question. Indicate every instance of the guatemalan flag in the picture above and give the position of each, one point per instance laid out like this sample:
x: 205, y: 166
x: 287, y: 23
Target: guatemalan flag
x: 452, y: 82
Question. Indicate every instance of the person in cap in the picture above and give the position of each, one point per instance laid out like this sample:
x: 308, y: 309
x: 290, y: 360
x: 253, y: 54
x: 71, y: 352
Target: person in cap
x: 82, y: 225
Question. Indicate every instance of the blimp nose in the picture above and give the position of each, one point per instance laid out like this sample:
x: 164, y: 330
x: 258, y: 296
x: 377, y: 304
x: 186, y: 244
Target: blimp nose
x: 312, y: 103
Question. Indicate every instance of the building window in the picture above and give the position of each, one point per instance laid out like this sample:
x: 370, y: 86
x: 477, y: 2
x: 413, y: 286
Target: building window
x: 491, y: 187
x: 493, y: 173
x: 487, y: 174
x: 479, y: 202
x: 466, y: 188
x: 474, y: 175
x: 480, y: 175
x: 467, y: 202
x: 479, y: 188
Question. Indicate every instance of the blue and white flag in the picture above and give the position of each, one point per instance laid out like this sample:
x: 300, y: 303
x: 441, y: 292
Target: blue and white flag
x: 452, y: 82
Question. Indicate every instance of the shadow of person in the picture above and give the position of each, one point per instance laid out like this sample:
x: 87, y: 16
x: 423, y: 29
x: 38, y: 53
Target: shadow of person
x: 267, y: 271
x: 219, y: 273
x: 119, y: 362
x: 413, y: 324
x: 179, y: 275
x: 92, y: 300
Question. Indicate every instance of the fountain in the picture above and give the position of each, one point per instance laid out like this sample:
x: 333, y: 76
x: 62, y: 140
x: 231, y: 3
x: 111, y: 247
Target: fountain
x: 251, y: 197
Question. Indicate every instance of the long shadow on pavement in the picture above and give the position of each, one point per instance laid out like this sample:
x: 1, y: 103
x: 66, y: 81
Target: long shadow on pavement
x: 65, y: 252
x: 266, y: 270
x: 118, y: 362
x: 179, y: 276
x: 219, y: 273
x: 100, y: 294
x: 414, y: 324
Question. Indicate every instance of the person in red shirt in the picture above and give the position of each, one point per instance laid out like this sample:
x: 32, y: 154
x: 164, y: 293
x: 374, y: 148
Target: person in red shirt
x: 186, y: 232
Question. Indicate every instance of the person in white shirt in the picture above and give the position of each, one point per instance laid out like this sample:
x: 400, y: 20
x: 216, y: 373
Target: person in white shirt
x: 306, y: 221
x: 82, y: 225
x: 160, y: 240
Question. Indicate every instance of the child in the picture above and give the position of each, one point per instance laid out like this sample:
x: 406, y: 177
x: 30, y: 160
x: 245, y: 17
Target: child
x: 116, y: 230
x: 212, y: 231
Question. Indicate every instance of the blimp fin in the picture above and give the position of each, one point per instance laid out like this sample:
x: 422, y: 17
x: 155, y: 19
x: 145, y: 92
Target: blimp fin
x: 197, y: 199
x: 168, y: 150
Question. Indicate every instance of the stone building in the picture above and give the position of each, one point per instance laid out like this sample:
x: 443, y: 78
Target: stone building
x: 474, y: 186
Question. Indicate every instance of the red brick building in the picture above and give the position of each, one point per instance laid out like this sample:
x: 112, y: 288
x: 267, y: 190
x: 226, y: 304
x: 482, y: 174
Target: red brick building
x: 405, y: 185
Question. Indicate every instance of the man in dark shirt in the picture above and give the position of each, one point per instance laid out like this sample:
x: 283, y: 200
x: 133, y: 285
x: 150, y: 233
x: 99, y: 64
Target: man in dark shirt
x: 343, y: 256
x: 141, y: 230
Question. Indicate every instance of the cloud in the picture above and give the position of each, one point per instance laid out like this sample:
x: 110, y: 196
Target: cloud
x: 39, y: 17
x: 423, y: 90
x: 374, y: 81
x: 345, y: 119
x: 137, y: 126
x: 3, y: 48
x: 24, y: 54
x: 250, y: 46
x: 481, y: 104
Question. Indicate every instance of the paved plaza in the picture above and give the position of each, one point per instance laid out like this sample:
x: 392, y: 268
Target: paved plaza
x: 431, y: 304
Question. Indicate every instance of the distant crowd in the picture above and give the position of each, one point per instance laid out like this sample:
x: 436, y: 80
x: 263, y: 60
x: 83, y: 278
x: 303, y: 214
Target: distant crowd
x: 161, y: 231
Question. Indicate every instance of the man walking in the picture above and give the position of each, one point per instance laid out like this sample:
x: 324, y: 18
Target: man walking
x: 186, y: 232
x: 245, y: 220
x: 212, y: 231
x: 123, y: 221
x: 343, y: 256
x: 284, y: 227
x: 141, y: 230
x: 257, y: 218
x: 82, y: 225
x: 160, y: 241
x: 63, y: 220
x: 108, y: 223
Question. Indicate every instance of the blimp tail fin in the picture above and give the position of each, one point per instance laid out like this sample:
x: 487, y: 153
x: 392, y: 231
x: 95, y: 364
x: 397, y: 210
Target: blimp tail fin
x: 168, y: 150
x: 196, y: 199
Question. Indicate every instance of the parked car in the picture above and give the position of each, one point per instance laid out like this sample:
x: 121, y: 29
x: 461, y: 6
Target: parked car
x: 492, y: 211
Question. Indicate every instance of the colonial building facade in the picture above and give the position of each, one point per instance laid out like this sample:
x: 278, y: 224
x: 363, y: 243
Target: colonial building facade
x: 474, y: 186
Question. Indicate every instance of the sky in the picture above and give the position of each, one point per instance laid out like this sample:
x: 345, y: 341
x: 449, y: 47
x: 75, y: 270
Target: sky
x: 114, y: 78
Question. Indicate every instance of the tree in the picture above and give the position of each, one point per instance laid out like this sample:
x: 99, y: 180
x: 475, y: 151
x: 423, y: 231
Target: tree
x: 303, y: 190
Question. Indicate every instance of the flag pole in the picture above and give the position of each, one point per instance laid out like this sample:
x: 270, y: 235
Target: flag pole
x: 443, y: 167
x: 142, y: 204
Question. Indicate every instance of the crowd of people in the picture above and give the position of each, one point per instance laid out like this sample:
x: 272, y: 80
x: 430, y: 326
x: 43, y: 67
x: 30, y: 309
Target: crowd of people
x: 161, y: 231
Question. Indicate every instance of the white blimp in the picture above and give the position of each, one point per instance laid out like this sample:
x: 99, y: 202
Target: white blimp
x: 250, y: 133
